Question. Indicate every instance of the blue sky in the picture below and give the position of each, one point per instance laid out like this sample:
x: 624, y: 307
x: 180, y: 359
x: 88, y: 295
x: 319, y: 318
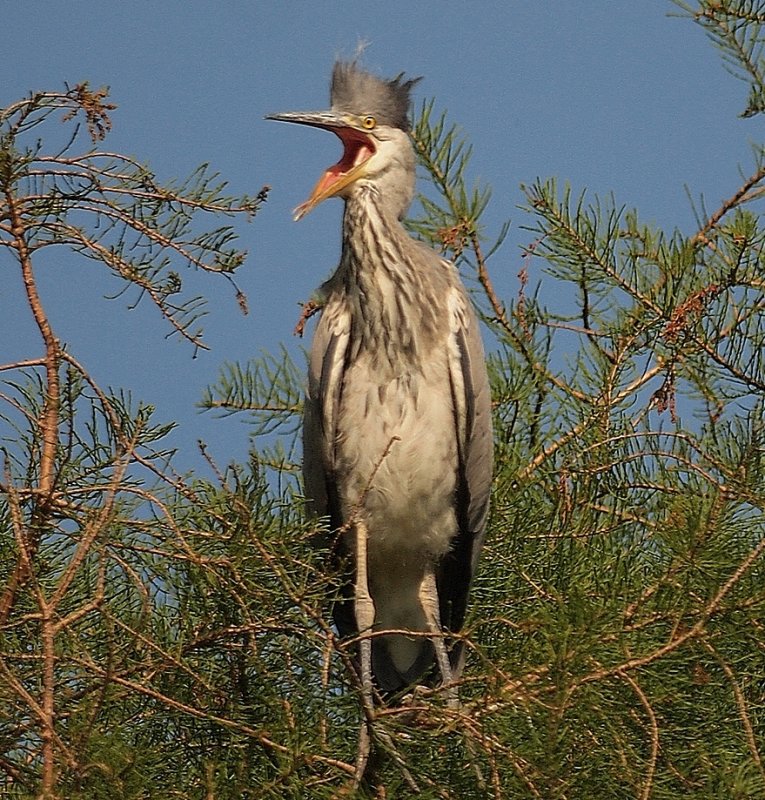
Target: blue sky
x: 610, y: 95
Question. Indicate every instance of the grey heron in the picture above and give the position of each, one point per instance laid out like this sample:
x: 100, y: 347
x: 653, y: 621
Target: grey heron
x: 397, y: 426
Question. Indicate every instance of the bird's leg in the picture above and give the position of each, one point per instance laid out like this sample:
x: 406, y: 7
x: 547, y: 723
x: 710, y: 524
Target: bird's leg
x: 364, y: 611
x: 429, y: 601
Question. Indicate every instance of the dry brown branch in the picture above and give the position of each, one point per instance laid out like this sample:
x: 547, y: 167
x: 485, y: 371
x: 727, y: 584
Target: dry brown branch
x: 647, y: 788
x: 485, y: 280
x: 96, y: 110
x: 49, y: 419
x: 309, y: 309
x: 71, y: 501
x: 744, y: 194
x: 259, y: 735
x: 93, y: 529
x: 680, y: 636
x: 741, y: 704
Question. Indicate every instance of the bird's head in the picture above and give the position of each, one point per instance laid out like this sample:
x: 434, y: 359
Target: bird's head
x: 370, y: 117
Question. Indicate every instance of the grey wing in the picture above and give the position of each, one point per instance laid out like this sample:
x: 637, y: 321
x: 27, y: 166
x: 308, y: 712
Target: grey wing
x: 326, y: 367
x: 472, y: 409
x: 326, y: 370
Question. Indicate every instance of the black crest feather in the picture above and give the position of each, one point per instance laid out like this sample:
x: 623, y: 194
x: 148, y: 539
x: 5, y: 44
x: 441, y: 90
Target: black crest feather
x: 358, y: 92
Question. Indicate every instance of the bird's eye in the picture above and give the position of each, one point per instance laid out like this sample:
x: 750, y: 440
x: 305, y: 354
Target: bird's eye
x: 368, y: 123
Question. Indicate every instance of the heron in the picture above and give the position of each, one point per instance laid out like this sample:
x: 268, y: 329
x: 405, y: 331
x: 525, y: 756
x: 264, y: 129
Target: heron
x: 397, y: 435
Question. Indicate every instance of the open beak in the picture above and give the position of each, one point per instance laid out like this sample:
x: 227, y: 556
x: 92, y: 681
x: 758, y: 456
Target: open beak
x: 358, y: 148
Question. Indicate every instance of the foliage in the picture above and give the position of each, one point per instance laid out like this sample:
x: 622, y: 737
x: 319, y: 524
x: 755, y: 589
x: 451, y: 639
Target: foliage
x: 167, y: 636
x: 735, y: 26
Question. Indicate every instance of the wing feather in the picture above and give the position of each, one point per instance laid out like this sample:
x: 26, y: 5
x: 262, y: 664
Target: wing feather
x: 472, y: 412
x: 326, y: 370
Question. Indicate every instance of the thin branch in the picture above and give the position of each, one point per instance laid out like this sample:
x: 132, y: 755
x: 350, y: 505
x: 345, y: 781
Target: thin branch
x: 742, y: 195
x: 647, y: 789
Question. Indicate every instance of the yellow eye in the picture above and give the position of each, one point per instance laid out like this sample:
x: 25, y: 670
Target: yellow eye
x: 368, y: 123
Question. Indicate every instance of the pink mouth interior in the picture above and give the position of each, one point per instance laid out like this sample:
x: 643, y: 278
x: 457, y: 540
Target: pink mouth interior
x: 357, y: 148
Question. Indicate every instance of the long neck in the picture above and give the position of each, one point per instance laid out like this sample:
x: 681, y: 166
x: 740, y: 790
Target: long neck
x: 392, y: 289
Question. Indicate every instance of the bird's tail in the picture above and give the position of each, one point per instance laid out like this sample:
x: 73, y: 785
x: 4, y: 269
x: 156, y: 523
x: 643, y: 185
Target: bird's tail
x: 423, y: 671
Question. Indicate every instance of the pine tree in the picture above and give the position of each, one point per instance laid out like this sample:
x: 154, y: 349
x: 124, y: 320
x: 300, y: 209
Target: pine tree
x: 168, y: 636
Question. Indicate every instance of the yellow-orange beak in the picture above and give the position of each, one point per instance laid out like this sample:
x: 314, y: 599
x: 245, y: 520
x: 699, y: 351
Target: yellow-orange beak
x: 358, y: 148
